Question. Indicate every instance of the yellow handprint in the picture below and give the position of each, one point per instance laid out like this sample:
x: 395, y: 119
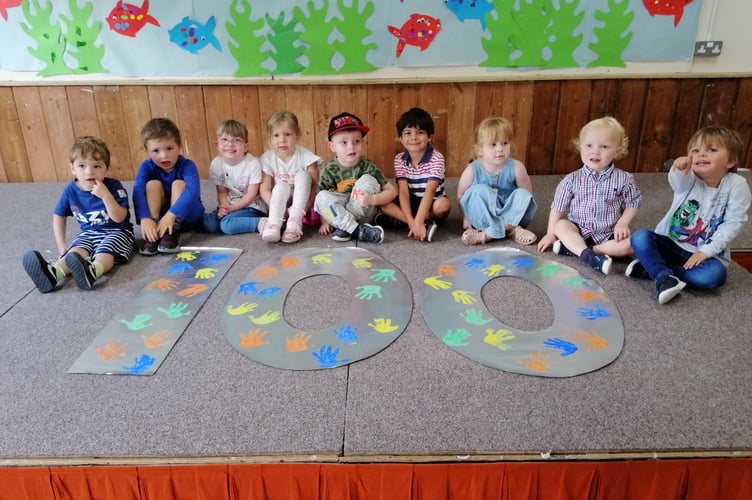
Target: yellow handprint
x: 243, y: 308
x: 186, y: 256
x: 322, y: 258
x: 498, y: 338
x: 362, y: 263
x: 298, y: 343
x: 383, y: 325
x: 206, y: 273
x: 266, y: 318
x: 254, y: 338
x: 493, y: 270
x: 463, y: 297
x: 437, y: 283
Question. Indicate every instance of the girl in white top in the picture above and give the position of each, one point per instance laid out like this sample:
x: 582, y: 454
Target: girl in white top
x: 290, y: 176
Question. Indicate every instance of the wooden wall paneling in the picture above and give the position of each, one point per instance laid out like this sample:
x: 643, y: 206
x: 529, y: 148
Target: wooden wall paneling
x: 112, y: 129
x: 518, y: 102
x: 192, y: 124
x: 574, y: 101
x: 163, y: 102
x: 300, y: 98
x: 13, y: 158
x: 83, y: 111
x: 218, y: 107
x: 460, y: 128
x: 542, y: 139
x: 629, y: 111
x: 686, y: 117
x: 58, y: 118
x: 136, y: 112
x: 245, y: 106
x: 741, y: 119
x: 718, y: 101
x: 35, y: 135
x: 652, y: 149
x: 489, y: 100
x: 381, y: 118
x: 435, y: 100
x: 604, y: 95
x: 271, y: 98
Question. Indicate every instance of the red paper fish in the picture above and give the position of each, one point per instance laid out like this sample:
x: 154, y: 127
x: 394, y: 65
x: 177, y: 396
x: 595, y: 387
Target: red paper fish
x: 127, y: 19
x: 667, y: 8
x: 419, y: 30
x: 8, y: 4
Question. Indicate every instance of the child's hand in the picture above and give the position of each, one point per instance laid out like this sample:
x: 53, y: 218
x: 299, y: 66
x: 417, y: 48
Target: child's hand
x: 418, y: 230
x: 166, y: 224
x: 364, y: 199
x: 223, y: 210
x: 682, y: 164
x: 546, y: 242
x: 695, y: 260
x: 149, y: 230
x: 99, y: 190
x: 621, y: 231
x: 324, y: 228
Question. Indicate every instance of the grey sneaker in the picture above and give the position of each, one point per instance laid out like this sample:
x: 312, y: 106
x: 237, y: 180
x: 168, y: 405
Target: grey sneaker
x: 40, y: 271
x: 668, y: 287
x: 431, y: 228
x: 341, y: 235
x: 560, y: 249
x: 635, y: 269
x: 81, y: 269
x: 370, y: 234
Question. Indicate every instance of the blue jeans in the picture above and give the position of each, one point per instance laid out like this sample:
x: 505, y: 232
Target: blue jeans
x: 240, y: 221
x: 661, y: 256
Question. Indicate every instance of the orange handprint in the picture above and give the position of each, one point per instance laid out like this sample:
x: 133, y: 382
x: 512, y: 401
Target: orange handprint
x: 298, y: 343
x: 162, y: 284
x: 289, y: 261
x: 594, y: 340
x: 192, y: 290
x: 589, y: 295
x: 111, y: 350
x: 254, y: 338
x: 447, y: 270
x: 157, y: 340
x: 266, y: 272
x: 537, y: 362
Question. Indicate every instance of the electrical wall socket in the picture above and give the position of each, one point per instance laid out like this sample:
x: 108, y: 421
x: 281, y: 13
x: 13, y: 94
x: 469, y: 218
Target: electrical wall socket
x: 708, y: 48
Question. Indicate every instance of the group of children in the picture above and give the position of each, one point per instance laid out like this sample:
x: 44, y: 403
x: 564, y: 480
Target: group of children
x: 348, y: 197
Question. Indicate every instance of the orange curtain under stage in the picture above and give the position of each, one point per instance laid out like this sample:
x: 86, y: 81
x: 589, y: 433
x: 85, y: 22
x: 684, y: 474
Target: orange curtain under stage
x: 696, y: 479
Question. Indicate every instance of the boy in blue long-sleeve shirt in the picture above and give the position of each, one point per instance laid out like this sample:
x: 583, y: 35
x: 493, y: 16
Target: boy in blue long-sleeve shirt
x: 167, y: 190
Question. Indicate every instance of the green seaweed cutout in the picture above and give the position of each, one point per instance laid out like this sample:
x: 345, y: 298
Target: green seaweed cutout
x: 614, y: 36
x: 81, y: 36
x: 49, y: 37
x: 501, y: 29
x: 246, y: 48
x: 352, y: 26
x: 561, y: 34
x: 286, y: 55
x: 315, y: 36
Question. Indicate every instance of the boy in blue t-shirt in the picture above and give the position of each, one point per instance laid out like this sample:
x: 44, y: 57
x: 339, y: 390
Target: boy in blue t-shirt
x: 167, y: 190
x: 100, y: 205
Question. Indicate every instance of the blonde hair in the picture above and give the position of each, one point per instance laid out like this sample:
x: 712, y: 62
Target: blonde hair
x: 88, y: 146
x: 232, y: 128
x: 492, y: 130
x: 730, y: 139
x: 278, y: 118
x: 607, y: 122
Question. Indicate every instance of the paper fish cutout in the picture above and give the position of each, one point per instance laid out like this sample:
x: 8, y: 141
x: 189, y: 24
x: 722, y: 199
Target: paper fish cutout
x: 127, y: 19
x: 194, y: 36
x: 419, y: 30
x: 667, y: 8
x: 8, y: 4
x: 470, y: 9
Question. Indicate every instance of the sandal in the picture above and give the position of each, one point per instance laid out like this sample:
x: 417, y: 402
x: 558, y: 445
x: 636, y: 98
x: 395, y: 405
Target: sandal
x: 474, y: 237
x: 523, y: 236
x: 292, y: 233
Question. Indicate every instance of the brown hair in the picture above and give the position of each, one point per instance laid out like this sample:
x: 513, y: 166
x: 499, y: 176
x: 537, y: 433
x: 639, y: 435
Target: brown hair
x: 608, y: 122
x: 233, y: 128
x: 88, y: 146
x: 160, y: 128
x: 727, y: 137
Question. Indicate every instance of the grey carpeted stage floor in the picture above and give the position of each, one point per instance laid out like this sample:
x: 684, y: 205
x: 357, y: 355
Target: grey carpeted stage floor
x: 681, y: 383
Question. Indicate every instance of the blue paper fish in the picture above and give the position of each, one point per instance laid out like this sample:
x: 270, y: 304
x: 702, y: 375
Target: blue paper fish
x: 194, y: 36
x: 470, y: 9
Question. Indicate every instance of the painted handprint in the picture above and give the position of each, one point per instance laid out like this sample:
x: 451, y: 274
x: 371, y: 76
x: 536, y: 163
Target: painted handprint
x: 475, y: 317
x: 254, y: 338
x: 112, y: 350
x: 266, y: 318
x: 493, y: 270
x: 367, y: 292
x: 498, y: 338
x: 362, y: 263
x: 383, y: 325
x: 537, y: 362
x: 214, y: 259
x: 266, y: 273
x: 574, y: 282
x: 327, y: 357
x: 589, y: 296
x: 192, y: 290
x: 249, y: 287
x: 268, y: 293
x: 298, y: 343
x: 139, y: 322
x: 474, y: 262
x: 289, y: 261
x: 456, y: 338
x: 178, y: 268
x: 347, y: 333
x: 447, y: 270
x: 158, y: 339
x: 523, y: 262
x: 463, y: 297
x: 549, y: 269
x: 564, y: 346
x: 437, y: 283
x: 594, y: 340
x: 322, y: 258
x: 176, y: 310
x: 383, y: 275
x: 186, y: 256
x: 206, y: 273
x: 243, y: 308
x: 592, y: 313
x: 162, y: 285
x: 141, y: 364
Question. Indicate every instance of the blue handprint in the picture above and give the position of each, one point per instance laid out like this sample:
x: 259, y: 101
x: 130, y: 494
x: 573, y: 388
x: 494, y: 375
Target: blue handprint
x: 141, y: 364
x: 524, y: 262
x: 327, y: 357
x: 593, y: 313
x: 248, y: 287
x: 179, y: 268
x: 475, y: 262
x: 564, y: 346
x: 214, y: 259
x: 268, y: 293
x: 347, y: 333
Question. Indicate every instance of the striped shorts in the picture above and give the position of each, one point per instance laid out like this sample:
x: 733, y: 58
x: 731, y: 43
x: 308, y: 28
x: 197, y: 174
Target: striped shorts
x: 117, y: 242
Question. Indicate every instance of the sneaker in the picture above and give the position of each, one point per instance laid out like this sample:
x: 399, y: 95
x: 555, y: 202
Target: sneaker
x: 635, y: 269
x: 560, y: 249
x: 431, y: 228
x: 370, y: 234
x: 600, y: 263
x: 40, y: 271
x: 271, y: 232
x: 668, y: 287
x: 170, y: 242
x: 82, y: 270
x: 341, y: 235
x: 148, y: 248
x: 384, y: 220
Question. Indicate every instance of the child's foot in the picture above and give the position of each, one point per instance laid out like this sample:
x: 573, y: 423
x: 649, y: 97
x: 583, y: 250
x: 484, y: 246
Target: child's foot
x: 600, y: 263
x: 41, y: 272
x: 293, y: 232
x: 341, y: 235
x: 271, y: 232
x: 384, y: 220
x: 82, y: 270
x: 523, y: 236
x: 668, y: 287
x: 148, y: 248
x: 170, y: 242
x: 369, y: 234
x: 560, y: 249
x: 635, y: 269
x: 474, y: 237
x: 431, y: 228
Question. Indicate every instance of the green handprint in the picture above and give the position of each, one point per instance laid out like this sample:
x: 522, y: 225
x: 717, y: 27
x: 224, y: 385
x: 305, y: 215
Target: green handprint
x: 475, y: 317
x: 266, y: 318
x: 383, y: 275
x: 549, y: 269
x: 367, y: 292
x: 574, y: 282
x: 322, y: 258
x: 363, y: 263
x: 456, y: 338
x: 493, y: 270
x: 206, y: 273
x: 437, y: 283
x: 176, y: 310
x: 139, y: 322
x: 498, y: 338
x: 463, y: 297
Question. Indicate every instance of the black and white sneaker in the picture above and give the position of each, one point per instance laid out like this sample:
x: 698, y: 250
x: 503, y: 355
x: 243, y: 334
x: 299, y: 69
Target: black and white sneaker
x: 560, y: 249
x: 341, y: 235
x: 635, y: 269
x: 81, y: 269
x: 668, y: 287
x: 40, y: 271
x: 370, y: 234
x: 431, y: 228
